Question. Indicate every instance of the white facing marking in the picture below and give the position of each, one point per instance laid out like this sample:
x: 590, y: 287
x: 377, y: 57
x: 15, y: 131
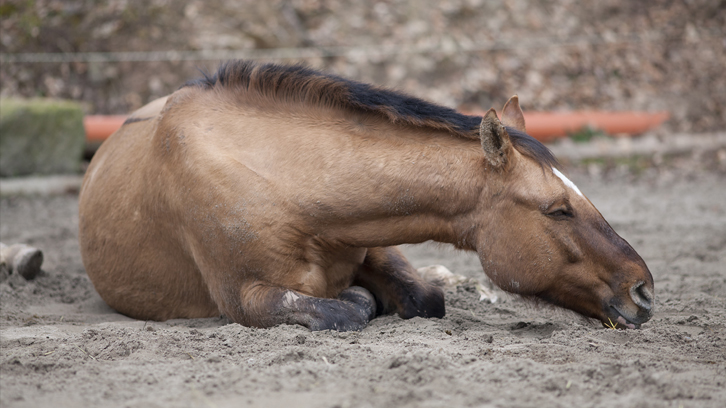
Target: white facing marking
x: 290, y: 298
x: 567, y: 181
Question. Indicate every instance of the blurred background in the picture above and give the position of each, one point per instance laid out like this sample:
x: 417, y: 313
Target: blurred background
x: 64, y: 62
x: 117, y: 55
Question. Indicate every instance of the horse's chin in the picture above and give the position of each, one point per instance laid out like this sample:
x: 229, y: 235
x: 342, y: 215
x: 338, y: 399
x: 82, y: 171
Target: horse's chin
x: 617, y: 319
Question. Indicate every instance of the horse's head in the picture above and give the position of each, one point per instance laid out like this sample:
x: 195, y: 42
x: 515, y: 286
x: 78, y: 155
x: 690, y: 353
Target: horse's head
x: 539, y: 236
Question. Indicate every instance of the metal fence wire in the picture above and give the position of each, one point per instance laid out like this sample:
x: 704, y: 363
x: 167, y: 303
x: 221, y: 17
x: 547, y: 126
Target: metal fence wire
x: 318, y: 52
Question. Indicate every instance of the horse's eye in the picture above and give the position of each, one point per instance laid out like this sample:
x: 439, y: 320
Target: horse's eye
x: 560, y: 213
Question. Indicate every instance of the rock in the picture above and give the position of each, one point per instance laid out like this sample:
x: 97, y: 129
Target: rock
x: 40, y: 136
x: 442, y: 276
x: 21, y: 258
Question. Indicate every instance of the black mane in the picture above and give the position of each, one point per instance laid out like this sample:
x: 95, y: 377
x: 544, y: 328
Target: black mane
x: 531, y: 147
x: 299, y: 83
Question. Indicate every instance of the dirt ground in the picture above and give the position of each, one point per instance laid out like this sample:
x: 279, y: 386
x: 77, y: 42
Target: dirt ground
x: 63, y: 347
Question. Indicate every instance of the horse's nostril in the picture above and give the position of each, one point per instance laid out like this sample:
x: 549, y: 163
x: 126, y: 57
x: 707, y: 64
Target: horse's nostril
x: 641, y: 295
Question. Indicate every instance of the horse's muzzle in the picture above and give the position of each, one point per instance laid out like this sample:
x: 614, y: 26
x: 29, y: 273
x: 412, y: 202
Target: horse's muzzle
x: 633, y: 315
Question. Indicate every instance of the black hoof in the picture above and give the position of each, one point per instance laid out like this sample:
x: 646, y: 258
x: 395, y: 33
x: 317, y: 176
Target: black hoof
x: 361, y: 297
x: 428, y: 302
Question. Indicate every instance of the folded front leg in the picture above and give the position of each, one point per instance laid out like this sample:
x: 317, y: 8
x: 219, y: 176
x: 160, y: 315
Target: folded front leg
x: 398, y: 286
x: 266, y: 306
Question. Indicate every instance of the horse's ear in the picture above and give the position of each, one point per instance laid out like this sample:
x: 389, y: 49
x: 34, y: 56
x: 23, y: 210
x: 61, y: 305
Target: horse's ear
x: 494, y: 139
x: 512, y: 115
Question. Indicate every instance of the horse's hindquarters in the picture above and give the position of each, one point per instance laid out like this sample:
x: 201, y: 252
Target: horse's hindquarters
x: 129, y: 247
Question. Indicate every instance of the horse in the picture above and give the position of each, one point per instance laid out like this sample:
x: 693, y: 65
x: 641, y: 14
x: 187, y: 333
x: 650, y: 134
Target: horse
x: 277, y: 194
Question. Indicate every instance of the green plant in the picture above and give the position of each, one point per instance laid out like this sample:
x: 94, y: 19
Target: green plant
x: 586, y: 133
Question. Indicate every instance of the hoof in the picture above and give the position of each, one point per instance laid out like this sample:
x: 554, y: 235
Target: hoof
x: 361, y: 297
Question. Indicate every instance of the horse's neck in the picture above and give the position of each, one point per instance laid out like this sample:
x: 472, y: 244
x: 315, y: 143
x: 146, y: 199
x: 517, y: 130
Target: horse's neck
x: 364, y: 182
x: 406, y: 191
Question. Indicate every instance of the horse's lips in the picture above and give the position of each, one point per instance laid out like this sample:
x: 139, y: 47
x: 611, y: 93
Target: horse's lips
x: 625, y: 323
x: 621, y: 320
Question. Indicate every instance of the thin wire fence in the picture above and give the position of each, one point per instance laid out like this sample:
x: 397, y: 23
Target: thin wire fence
x: 320, y: 52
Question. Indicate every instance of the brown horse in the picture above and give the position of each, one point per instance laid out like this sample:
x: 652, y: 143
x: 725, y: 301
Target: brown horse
x: 275, y: 194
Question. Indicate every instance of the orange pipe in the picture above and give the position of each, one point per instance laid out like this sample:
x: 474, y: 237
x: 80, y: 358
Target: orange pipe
x: 100, y: 127
x: 550, y: 125
x: 543, y: 126
x: 546, y: 126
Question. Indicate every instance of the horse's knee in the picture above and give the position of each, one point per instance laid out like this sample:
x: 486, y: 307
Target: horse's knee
x: 270, y: 306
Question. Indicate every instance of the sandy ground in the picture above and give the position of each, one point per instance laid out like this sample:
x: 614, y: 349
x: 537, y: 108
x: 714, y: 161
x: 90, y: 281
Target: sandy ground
x: 63, y: 347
